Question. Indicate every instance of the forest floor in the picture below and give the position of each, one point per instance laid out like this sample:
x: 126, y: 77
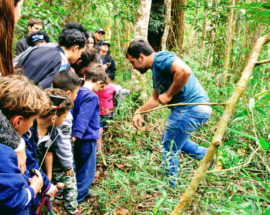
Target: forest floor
x: 133, y: 183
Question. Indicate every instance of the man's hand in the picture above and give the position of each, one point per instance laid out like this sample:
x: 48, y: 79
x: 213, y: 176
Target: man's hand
x: 105, y: 67
x: 36, y: 183
x: 74, y: 139
x: 137, y: 121
x: 164, y: 99
x: 69, y: 172
x: 53, y: 191
x: 21, y: 156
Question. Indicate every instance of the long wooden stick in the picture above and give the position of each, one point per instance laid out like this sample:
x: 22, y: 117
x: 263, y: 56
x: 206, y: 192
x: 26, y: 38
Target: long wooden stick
x: 180, y: 104
x: 223, y: 123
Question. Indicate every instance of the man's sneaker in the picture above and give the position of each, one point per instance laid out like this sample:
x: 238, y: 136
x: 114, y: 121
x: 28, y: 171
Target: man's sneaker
x: 58, y: 198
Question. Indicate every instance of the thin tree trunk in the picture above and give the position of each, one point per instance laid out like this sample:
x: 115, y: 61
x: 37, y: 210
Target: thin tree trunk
x: 205, y: 12
x: 264, y: 66
x: 257, y: 34
x: 168, y: 9
x: 181, y: 24
x: 229, y: 38
x: 108, y: 29
x: 140, y: 32
x: 212, y: 36
x: 196, y: 27
x: 222, y: 125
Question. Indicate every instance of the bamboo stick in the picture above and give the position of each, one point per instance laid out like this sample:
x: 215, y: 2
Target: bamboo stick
x: 180, y: 104
x: 223, y: 123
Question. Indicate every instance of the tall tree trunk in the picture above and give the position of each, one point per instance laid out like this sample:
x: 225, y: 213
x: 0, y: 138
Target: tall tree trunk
x: 229, y: 38
x: 222, y: 125
x: 108, y: 29
x: 212, y: 36
x: 177, y: 31
x: 257, y: 34
x: 168, y: 9
x: 196, y: 27
x: 140, y: 32
x: 205, y: 12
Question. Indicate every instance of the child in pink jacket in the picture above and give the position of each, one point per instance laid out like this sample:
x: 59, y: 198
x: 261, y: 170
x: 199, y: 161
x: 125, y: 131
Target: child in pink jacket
x: 105, y: 96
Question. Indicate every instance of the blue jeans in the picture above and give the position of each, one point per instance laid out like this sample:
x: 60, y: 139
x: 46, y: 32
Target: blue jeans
x: 85, y: 161
x: 180, y: 125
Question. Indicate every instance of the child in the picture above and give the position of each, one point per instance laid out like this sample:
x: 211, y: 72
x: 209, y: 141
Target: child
x: 63, y: 157
x: 105, y: 96
x: 86, y: 129
x: 87, y: 58
x: 37, y: 38
x: 20, y: 102
x: 44, y: 133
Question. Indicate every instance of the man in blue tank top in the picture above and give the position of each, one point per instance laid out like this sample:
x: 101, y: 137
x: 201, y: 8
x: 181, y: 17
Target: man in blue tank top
x: 173, y: 82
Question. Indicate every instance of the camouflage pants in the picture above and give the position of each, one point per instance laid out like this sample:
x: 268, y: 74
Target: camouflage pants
x: 70, y: 191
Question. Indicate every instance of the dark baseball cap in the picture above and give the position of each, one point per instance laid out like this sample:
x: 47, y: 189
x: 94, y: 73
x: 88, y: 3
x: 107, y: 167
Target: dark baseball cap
x: 105, y: 43
x: 100, y: 30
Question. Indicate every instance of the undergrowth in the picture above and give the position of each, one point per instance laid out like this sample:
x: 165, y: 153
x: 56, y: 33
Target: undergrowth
x: 133, y: 183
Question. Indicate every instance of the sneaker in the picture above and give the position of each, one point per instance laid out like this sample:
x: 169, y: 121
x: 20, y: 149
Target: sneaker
x: 58, y: 198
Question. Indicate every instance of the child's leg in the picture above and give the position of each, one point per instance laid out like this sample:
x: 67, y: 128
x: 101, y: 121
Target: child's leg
x: 99, y: 141
x: 85, y: 161
x: 70, y: 191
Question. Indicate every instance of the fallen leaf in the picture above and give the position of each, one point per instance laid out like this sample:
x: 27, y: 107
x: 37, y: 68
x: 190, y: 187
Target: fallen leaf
x: 121, y: 166
x: 155, y: 194
x: 241, y: 152
x: 120, y: 212
x: 106, y: 172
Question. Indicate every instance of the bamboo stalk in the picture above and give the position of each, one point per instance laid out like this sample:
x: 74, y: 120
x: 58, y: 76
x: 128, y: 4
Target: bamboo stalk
x: 223, y: 123
x: 180, y: 104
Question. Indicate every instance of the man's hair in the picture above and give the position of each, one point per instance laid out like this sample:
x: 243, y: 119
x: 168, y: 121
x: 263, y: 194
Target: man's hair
x: 138, y: 47
x: 66, y: 105
x: 73, y: 34
x: 66, y: 80
x: 96, y: 73
x: 19, y: 96
x: 34, y: 21
x: 42, y: 37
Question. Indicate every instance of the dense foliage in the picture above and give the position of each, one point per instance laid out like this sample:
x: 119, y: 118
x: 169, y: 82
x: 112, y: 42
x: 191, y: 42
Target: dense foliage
x: 132, y: 183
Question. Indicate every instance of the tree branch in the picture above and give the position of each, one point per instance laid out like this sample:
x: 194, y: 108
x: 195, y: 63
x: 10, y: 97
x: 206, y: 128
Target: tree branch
x: 181, y: 104
x: 262, y: 62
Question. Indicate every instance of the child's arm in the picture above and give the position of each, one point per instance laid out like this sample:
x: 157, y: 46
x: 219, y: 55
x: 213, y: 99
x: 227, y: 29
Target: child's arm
x: 84, y: 117
x: 48, y: 165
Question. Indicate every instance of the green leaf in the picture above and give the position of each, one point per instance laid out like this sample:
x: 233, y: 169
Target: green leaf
x: 264, y: 144
x: 242, y: 134
x: 261, y: 112
x: 261, y: 94
x: 267, y: 212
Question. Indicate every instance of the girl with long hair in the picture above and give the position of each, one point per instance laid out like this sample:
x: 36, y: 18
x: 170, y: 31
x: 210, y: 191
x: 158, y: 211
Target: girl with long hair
x: 10, y: 13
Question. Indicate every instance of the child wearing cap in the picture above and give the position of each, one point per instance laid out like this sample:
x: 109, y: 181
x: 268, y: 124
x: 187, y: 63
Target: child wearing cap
x: 107, y: 60
x: 38, y: 39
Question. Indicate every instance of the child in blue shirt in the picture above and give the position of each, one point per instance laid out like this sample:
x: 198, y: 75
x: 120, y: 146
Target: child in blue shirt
x: 21, y: 102
x: 86, y: 129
